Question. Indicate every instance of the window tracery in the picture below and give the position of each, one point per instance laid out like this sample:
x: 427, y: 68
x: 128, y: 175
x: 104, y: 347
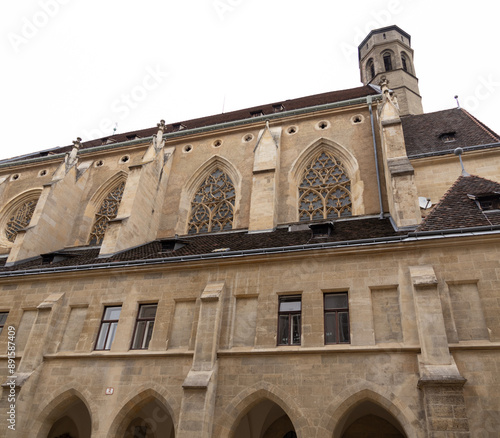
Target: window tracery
x: 212, y: 208
x: 325, y: 189
x: 20, y: 219
x: 107, y: 211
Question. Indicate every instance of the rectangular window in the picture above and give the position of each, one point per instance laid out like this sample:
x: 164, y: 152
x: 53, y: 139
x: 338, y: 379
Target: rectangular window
x: 144, y: 326
x: 108, y: 327
x: 289, y: 320
x: 3, y: 318
x: 336, y: 319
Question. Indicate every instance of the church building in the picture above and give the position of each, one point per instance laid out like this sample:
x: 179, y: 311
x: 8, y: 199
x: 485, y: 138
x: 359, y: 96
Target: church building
x: 320, y: 267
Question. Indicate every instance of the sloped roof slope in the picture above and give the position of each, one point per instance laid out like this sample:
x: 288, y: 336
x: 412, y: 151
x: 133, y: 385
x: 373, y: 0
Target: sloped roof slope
x: 459, y: 210
x: 267, y: 109
x: 425, y: 133
x: 194, y: 245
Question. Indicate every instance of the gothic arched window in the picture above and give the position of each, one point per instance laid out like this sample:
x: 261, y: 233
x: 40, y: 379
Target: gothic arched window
x: 405, y: 62
x: 107, y: 211
x: 20, y: 219
x: 325, y: 189
x: 370, y: 67
x: 212, y: 207
x: 387, y: 61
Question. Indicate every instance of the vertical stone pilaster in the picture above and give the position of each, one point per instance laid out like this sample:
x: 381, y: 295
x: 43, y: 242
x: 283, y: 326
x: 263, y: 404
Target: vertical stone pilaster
x: 440, y: 379
x: 264, y: 199
x: 43, y: 339
x: 445, y: 411
x: 200, y: 385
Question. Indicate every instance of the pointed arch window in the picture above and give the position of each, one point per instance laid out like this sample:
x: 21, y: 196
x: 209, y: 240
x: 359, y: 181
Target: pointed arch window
x: 107, y: 211
x: 370, y: 67
x: 20, y: 219
x: 212, y: 208
x: 325, y: 189
x: 387, y: 61
x: 404, y: 62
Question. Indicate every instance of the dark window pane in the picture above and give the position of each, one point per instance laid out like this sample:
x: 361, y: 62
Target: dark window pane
x: 283, y: 329
x: 148, y: 311
x: 336, y: 301
x: 344, y: 327
x: 387, y: 62
x: 331, y: 328
x: 296, y: 329
x: 3, y: 318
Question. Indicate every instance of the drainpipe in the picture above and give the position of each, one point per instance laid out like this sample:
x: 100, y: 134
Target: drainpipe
x: 369, y: 100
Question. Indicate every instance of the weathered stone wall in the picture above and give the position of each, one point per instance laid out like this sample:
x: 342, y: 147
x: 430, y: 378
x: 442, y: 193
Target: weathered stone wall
x: 313, y: 383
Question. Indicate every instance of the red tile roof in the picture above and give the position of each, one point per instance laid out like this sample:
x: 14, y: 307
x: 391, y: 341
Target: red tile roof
x: 457, y: 210
x: 424, y: 132
x: 348, y: 230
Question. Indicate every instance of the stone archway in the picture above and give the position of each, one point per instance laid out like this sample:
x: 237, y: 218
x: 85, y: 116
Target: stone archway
x: 73, y: 422
x: 146, y: 418
x: 369, y: 420
x: 265, y: 420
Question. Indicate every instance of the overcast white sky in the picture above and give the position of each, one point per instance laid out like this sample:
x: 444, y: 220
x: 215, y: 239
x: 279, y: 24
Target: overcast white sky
x: 77, y: 68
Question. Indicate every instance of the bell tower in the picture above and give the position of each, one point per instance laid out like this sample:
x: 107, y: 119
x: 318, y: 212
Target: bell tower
x: 387, y: 52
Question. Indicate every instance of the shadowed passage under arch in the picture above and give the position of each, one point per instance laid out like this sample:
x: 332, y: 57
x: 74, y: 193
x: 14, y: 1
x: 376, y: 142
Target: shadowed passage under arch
x: 265, y: 420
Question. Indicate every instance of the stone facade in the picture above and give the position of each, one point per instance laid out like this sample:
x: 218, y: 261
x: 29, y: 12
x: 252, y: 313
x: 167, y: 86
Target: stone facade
x: 416, y: 356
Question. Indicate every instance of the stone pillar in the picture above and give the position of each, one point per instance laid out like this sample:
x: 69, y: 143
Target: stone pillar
x: 200, y: 385
x: 53, y: 218
x: 43, y: 339
x: 399, y: 173
x: 440, y: 379
x: 138, y: 216
x: 264, y: 199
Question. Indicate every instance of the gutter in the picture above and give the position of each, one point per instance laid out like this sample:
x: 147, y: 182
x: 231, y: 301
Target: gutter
x: 410, y: 237
x: 185, y: 132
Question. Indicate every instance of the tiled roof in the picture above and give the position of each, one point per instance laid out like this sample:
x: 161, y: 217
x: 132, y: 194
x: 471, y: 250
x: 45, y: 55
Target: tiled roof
x: 267, y: 109
x: 425, y: 133
x: 457, y: 210
x: 349, y: 230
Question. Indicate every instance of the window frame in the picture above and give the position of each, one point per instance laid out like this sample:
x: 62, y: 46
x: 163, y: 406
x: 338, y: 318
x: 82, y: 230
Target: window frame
x: 336, y: 311
x: 140, y: 319
x: 290, y: 314
x: 110, y: 323
x: 2, y: 324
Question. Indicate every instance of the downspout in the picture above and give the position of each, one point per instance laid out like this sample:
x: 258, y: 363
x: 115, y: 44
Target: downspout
x: 369, y: 100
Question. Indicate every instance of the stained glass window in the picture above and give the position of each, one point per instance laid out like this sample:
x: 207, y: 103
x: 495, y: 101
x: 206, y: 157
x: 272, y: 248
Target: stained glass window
x: 325, y: 189
x: 20, y: 219
x: 108, y: 211
x: 212, y: 207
